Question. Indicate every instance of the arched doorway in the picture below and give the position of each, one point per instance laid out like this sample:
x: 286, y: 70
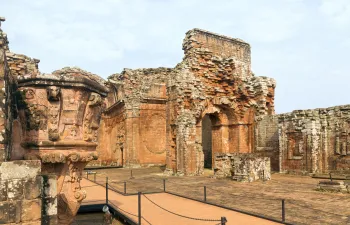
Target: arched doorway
x: 214, y: 137
x: 207, y: 138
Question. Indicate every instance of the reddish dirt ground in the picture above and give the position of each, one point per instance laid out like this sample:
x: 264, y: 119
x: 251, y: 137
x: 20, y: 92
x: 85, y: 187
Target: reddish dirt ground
x: 153, y: 214
x: 303, y: 204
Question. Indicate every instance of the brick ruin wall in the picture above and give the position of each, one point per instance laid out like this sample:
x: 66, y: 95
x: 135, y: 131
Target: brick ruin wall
x: 214, y: 78
x: 266, y: 139
x: 134, y: 125
x: 242, y: 167
x: 308, y: 141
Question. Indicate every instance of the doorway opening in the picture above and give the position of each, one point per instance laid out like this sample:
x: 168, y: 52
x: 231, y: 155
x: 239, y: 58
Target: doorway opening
x: 207, y: 139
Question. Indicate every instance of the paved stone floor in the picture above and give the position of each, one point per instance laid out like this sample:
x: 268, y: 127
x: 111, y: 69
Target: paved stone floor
x: 304, y: 205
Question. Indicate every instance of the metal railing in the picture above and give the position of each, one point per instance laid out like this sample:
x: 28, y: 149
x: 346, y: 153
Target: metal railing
x: 290, y: 211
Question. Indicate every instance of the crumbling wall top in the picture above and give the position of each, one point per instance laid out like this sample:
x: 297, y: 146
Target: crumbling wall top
x: 67, y: 76
x: 219, y: 45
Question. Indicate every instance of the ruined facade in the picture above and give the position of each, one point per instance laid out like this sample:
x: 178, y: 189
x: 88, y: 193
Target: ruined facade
x: 210, y: 111
x: 49, y: 126
x: 133, y: 129
x: 309, y: 141
x: 154, y: 116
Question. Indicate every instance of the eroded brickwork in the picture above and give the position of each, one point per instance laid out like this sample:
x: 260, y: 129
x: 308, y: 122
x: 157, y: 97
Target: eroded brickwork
x: 267, y: 139
x: 134, y: 124
x: 214, y: 78
x: 306, y: 141
x: 315, y: 141
x: 242, y: 167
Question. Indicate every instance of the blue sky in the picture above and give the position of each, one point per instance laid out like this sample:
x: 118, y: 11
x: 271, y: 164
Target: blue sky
x: 303, y: 44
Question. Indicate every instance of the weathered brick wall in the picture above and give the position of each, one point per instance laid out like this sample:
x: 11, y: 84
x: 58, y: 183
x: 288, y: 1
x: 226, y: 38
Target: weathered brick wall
x: 315, y: 141
x: 21, y: 192
x: 111, y: 137
x: 135, y: 121
x: 214, y: 78
x: 242, y: 167
x: 266, y: 139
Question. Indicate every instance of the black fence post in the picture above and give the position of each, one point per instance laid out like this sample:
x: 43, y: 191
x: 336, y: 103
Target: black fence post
x: 330, y: 176
x: 164, y: 185
x: 283, y: 212
x: 94, y: 177
x: 139, y: 214
x: 263, y: 176
x: 106, y: 190
x: 124, y: 187
x: 205, y: 193
x: 223, y: 220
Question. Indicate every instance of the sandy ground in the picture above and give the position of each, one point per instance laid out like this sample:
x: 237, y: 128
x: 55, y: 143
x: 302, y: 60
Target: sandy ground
x: 304, y: 205
x: 157, y: 216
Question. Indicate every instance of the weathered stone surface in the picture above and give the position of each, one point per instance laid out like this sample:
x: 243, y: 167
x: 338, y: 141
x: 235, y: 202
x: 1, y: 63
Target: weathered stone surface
x: 15, y: 189
x: 335, y: 186
x: 31, y: 210
x: 242, y: 167
x: 33, y: 188
x: 308, y: 141
x: 20, y: 169
x: 4, y: 212
x: 215, y: 79
x: 14, y: 211
x: 137, y: 104
x: 3, y: 190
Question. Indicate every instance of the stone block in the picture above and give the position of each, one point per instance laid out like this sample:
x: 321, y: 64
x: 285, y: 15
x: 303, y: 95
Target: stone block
x: 14, y: 211
x: 33, y: 188
x: 4, y: 214
x: 31, y: 210
x: 21, y: 169
x: 15, y: 189
x: 3, y: 191
x: 38, y: 222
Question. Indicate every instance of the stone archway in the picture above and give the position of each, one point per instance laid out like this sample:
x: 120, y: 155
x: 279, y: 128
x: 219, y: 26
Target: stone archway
x: 213, y: 135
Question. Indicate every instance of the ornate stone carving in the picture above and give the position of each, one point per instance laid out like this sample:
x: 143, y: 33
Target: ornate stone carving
x: 52, y: 115
x: 53, y: 93
x: 92, y: 117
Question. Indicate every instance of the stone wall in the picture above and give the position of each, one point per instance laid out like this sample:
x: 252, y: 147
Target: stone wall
x: 266, y: 139
x: 242, y: 167
x: 134, y: 124
x: 306, y: 141
x: 315, y: 141
x: 21, y: 192
x: 215, y: 78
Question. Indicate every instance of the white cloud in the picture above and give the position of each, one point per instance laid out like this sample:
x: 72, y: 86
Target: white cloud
x: 291, y: 39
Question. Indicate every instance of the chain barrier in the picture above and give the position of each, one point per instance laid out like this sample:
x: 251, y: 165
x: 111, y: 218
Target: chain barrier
x: 146, y: 220
x: 187, y: 217
x: 129, y: 212
x: 122, y: 209
x: 319, y: 210
x: 91, y: 186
